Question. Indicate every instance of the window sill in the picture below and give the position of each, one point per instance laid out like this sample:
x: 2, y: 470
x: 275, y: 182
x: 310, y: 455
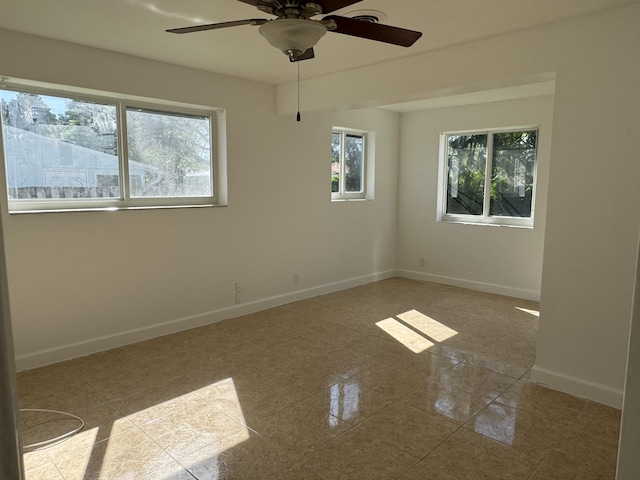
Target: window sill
x: 523, y: 225
x: 338, y: 200
x: 109, y: 209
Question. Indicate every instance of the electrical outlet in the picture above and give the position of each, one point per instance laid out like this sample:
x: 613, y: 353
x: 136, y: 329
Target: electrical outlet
x: 239, y: 293
x: 296, y: 277
x: 423, y: 262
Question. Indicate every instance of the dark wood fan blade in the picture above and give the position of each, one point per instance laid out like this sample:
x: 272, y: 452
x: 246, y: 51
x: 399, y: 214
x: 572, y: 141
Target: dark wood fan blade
x: 305, y: 56
x: 255, y: 3
x: 329, y: 6
x: 374, y: 31
x: 214, y: 26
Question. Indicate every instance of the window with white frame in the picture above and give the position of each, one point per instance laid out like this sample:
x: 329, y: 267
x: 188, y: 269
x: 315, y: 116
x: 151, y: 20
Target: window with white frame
x: 77, y: 152
x: 348, y: 163
x: 489, y: 176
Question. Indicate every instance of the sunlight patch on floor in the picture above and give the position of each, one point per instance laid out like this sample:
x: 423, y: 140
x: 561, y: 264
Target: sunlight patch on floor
x: 535, y: 313
x: 141, y: 443
x: 427, y: 325
x: 416, y: 331
x: 87, y: 440
x: 406, y: 336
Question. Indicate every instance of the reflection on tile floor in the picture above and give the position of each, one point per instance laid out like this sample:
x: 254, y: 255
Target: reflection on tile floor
x: 396, y: 379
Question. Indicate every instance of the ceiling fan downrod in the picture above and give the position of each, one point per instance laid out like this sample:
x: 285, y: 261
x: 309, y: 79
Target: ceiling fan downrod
x: 291, y: 9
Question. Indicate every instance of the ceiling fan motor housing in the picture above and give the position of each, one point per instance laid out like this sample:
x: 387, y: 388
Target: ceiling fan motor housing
x: 293, y: 36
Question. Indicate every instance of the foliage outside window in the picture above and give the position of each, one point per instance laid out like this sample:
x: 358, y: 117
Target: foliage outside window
x: 490, y: 176
x: 348, y: 154
x: 65, y: 153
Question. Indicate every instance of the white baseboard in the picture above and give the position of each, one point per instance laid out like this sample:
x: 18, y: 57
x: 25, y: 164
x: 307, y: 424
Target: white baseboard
x: 578, y: 387
x: 472, y: 284
x: 98, y: 344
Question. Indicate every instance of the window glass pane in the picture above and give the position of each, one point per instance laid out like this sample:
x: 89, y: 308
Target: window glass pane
x: 512, y: 172
x: 336, y: 152
x: 354, y: 161
x: 467, y: 157
x: 169, y: 154
x: 59, y: 148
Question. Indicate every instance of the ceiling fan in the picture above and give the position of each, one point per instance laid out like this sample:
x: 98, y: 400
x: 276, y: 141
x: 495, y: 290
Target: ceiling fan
x: 295, y: 33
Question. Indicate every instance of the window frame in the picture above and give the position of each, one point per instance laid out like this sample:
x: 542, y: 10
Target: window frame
x: 341, y: 195
x: 216, y: 117
x: 485, y: 218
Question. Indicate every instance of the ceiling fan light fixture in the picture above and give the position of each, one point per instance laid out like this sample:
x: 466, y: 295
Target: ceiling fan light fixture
x: 293, y: 36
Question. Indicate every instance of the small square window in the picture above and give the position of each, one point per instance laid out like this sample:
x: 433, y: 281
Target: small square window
x: 349, y: 164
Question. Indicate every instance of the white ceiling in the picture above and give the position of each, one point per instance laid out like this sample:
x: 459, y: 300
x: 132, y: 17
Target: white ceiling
x: 137, y: 27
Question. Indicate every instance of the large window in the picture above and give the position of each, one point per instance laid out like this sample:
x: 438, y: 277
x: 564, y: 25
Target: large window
x: 489, y: 176
x: 348, y: 164
x: 75, y: 152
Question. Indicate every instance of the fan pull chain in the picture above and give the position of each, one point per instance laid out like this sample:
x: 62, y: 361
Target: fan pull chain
x: 298, y: 116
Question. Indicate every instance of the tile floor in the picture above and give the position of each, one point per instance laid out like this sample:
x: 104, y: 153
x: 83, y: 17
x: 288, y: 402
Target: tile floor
x: 396, y: 379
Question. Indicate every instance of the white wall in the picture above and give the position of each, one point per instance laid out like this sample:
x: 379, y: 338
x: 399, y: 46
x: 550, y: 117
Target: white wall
x: 497, y: 259
x: 593, y: 213
x: 628, y: 460
x: 11, y: 463
x: 81, y: 282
